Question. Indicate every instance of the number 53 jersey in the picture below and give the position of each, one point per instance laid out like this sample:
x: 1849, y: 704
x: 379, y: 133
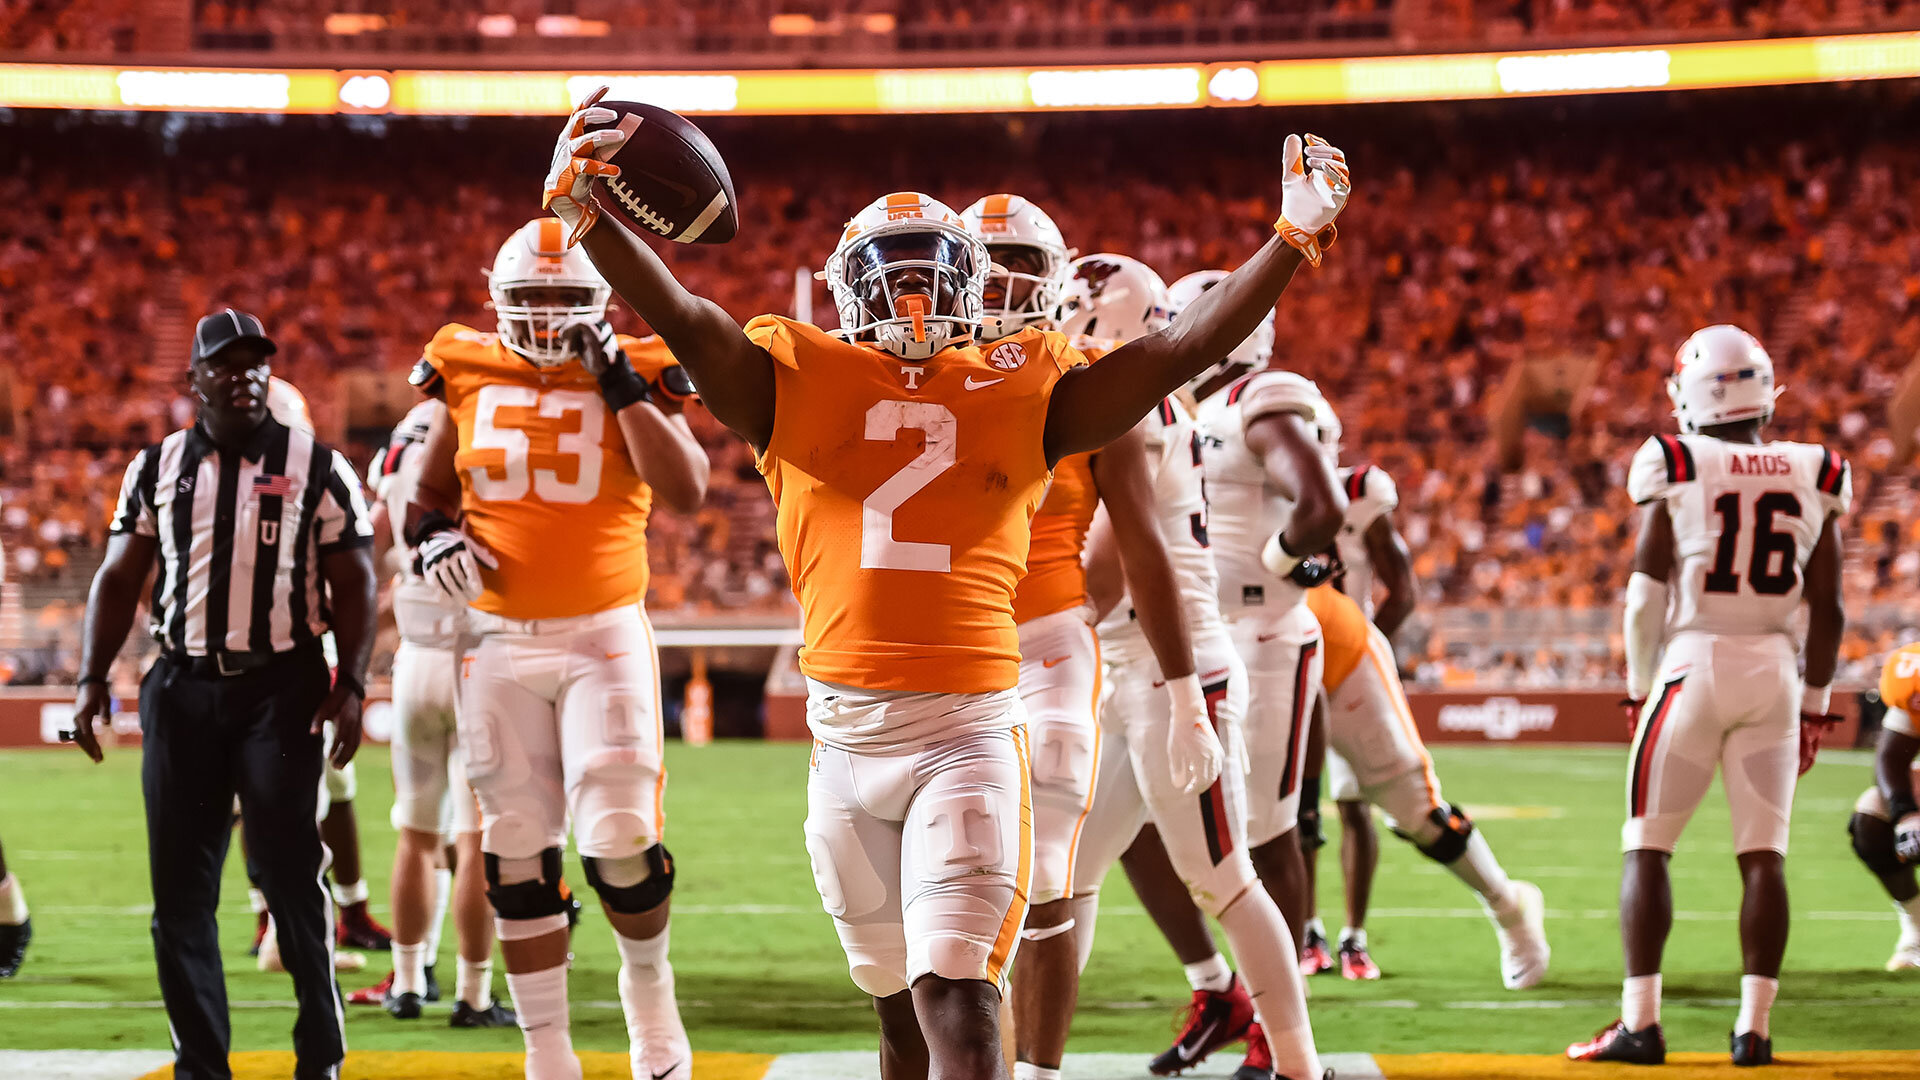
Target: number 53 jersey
x: 547, y: 484
x: 905, y: 491
x: 1745, y: 522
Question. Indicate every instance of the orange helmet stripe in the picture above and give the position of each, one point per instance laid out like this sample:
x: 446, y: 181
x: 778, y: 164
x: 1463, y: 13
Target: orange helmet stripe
x: 552, y: 244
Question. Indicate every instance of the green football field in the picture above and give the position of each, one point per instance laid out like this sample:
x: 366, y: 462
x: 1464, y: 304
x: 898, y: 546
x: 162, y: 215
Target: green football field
x: 760, y: 969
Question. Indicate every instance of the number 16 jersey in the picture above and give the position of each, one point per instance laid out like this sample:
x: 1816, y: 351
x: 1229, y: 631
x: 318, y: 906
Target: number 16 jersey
x: 904, y: 494
x: 1745, y: 522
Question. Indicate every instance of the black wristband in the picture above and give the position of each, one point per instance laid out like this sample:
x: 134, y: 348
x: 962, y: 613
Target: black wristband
x: 1898, y: 808
x: 85, y: 679
x: 622, y: 386
x: 431, y: 522
x: 341, y: 678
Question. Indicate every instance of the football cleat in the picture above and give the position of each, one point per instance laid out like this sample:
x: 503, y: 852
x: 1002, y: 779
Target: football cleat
x: 1214, y: 1019
x: 1355, y: 964
x: 259, y: 932
x: 1906, y: 955
x: 1615, y: 1043
x: 495, y: 1015
x: 358, y: 929
x: 1524, y: 952
x: 1258, y: 1064
x: 372, y: 995
x: 1315, y: 958
x: 432, y: 992
x: 1751, y: 1049
x: 13, y: 946
x: 403, y: 1006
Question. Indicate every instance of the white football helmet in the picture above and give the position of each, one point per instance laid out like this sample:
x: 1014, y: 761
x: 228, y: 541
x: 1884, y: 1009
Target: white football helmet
x: 1251, y: 354
x: 542, y: 289
x: 1327, y: 424
x: 1721, y: 374
x: 908, y: 276
x: 1008, y: 224
x: 288, y: 405
x: 1112, y: 298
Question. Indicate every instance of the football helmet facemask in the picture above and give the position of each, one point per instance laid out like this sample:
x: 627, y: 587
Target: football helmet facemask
x: 1721, y: 374
x: 907, y: 276
x: 1019, y: 236
x: 1249, y: 355
x: 1112, y: 298
x: 542, y: 290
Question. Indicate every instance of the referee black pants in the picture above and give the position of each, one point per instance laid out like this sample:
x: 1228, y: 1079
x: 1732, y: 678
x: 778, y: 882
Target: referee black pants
x: 207, y: 739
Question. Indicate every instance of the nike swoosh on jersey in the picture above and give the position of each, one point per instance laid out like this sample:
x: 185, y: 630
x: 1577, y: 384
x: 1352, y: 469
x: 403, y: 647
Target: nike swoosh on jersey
x: 615, y: 655
x: 1055, y: 662
x: 983, y: 384
x: 1263, y: 638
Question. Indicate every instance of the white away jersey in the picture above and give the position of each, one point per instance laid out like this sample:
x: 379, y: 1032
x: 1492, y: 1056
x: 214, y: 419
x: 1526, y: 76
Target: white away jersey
x: 1180, y: 503
x: 1243, y: 507
x: 423, y: 615
x: 1745, y: 522
x: 1370, y: 495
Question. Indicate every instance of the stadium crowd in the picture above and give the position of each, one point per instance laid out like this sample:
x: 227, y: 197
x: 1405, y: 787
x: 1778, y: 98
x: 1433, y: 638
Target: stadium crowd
x: 1605, y: 247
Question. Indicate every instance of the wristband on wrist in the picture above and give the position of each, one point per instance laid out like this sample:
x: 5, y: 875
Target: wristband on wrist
x: 341, y: 678
x: 1277, y: 558
x: 1311, y: 246
x: 1814, y: 700
x: 622, y: 386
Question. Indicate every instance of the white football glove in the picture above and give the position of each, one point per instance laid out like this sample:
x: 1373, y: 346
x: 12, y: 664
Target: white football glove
x: 1906, y: 838
x: 450, y: 560
x: 1313, y: 190
x: 580, y: 155
x: 1194, y: 754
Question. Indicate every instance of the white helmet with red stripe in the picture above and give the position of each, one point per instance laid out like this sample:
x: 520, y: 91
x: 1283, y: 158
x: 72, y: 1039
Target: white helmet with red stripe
x: 1251, y: 354
x: 1720, y: 375
x: 908, y: 276
x: 1112, y: 298
x: 541, y: 289
x: 1029, y: 270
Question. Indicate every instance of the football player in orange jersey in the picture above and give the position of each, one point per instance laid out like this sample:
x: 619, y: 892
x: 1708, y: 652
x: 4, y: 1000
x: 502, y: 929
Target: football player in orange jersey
x: 1886, y: 820
x: 550, y: 452
x: 1059, y: 651
x: 906, y: 462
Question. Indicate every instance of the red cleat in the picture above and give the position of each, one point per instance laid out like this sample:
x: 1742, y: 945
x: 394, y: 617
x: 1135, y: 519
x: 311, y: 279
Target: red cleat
x: 1314, y: 955
x: 1355, y: 964
x: 1258, y: 1064
x: 372, y: 995
x: 358, y: 929
x: 1214, y: 1019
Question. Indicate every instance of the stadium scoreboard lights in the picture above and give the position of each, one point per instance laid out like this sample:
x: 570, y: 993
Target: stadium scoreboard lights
x: 1436, y: 77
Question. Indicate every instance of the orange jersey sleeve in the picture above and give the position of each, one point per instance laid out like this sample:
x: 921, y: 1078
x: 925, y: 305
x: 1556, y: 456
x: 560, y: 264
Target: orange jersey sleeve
x: 648, y: 355
x: 1900, y: 677
x: 905, y: 491
x: 1343, y: 632
x: 1056, y: 579
x: 546, y: 482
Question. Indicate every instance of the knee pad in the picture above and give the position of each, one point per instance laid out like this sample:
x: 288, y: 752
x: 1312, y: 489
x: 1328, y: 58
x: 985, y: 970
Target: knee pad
x: 1450, y: 828
x: 634, y: 884
x: 527, y: 888
x: 1878, y: 856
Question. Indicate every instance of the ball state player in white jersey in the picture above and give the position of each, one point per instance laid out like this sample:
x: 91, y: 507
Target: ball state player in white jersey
x: 1738, y: 532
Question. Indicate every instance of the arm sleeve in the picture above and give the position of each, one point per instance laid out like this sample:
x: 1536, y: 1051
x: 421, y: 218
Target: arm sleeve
x: 133, y: 514
x: 1835, y: 480
x: 1652, y: 475
x: 340, y: 521
x: 1373, y: 496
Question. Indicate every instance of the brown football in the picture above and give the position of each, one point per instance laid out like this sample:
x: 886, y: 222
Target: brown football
x: 672, y: 182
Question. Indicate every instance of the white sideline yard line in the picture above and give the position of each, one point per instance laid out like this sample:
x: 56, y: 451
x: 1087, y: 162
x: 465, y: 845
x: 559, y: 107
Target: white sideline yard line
x: 864, y: 1005
x: 82, y: 1064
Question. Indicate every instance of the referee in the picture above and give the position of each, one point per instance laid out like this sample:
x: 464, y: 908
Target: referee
x: 262, y: 544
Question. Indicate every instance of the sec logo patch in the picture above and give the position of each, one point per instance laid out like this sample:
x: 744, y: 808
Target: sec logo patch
x: 1008, y: 357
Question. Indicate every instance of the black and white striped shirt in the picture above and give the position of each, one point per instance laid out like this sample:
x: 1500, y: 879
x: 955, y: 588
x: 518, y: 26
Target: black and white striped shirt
x: 241, y: 536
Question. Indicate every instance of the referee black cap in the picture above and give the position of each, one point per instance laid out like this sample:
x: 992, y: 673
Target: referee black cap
x: 224, y: 328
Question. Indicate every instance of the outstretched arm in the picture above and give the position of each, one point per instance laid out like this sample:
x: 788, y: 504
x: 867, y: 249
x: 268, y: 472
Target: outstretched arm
x: 734, y: 376
x: 1093, y: 406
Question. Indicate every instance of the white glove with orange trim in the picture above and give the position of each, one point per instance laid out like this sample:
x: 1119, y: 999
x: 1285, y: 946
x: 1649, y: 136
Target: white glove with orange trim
x: 580, y: 155
x: 1194, y: 754
x: 1313, y: 191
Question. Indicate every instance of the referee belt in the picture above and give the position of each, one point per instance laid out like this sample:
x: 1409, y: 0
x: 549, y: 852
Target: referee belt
x: 222, y: 664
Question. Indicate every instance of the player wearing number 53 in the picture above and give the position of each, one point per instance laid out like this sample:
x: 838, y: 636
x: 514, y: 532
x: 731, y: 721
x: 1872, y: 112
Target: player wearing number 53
x: 532, y: 506
x: 906, y: 462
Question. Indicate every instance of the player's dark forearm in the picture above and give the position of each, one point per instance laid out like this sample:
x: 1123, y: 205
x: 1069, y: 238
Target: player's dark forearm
x: 1223, y: 316
x: 666, y: 455
x: 111, y: 604
x: 1393, y: 611
x: 1155, y: 596
x: 350, y: 599
x: 1893, y: 768
x: 1825, y: 622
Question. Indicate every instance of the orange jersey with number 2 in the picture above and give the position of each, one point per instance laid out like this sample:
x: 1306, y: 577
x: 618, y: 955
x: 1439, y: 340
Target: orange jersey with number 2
x: 904, y: 491
x: 546, y: 481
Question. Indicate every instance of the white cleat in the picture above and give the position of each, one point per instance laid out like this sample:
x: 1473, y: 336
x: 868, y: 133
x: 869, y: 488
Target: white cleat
x: 659, y: 1046
x: 1906, y: 955
x: 1522, y: 931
